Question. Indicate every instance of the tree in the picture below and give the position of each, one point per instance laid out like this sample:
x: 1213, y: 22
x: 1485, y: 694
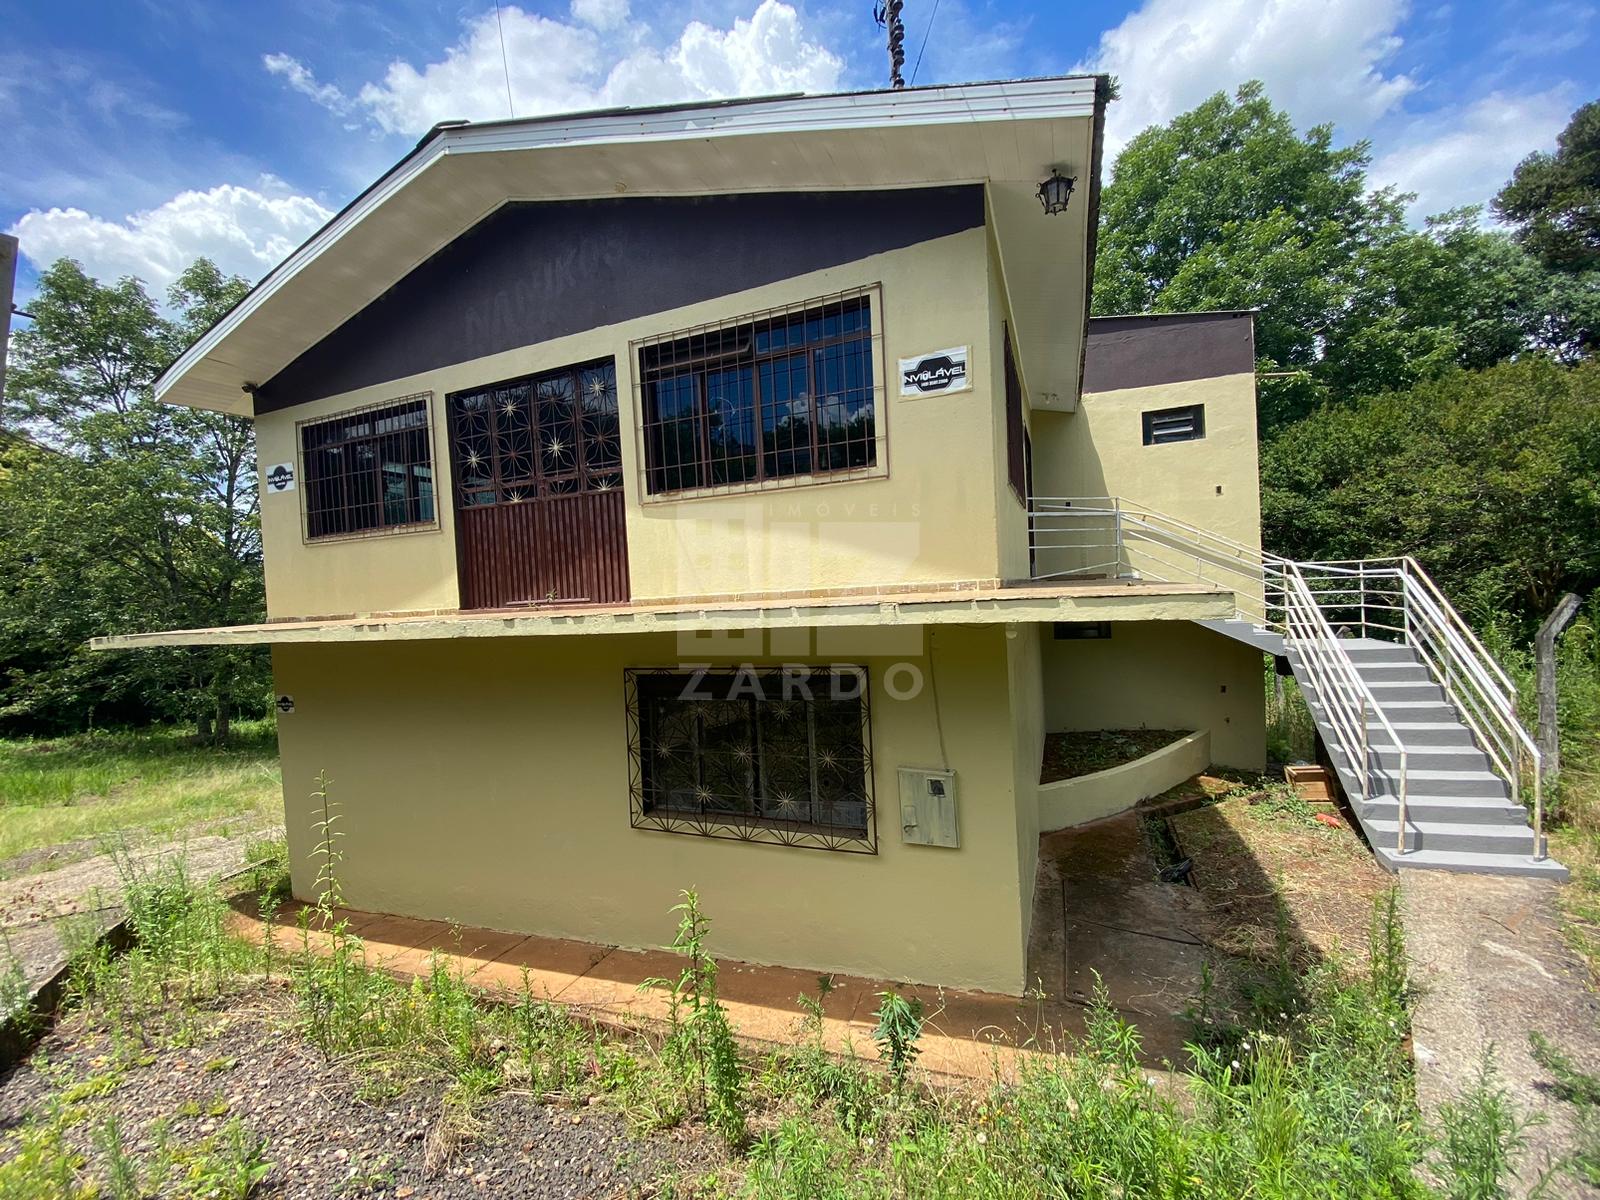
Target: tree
x: 126, y: 515
x: 1490, y: 478
x: 1451, y: 294
x: 1553, y: 200
x: 1228, y: 207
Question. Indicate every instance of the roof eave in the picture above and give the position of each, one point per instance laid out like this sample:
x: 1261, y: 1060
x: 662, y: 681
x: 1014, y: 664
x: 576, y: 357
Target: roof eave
x: 1032, y: 99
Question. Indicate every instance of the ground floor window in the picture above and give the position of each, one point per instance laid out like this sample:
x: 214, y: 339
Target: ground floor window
x: 773, y: 755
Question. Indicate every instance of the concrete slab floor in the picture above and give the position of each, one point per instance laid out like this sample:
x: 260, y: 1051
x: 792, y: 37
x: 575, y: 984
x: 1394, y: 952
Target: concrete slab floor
x: 968, y: 1034
x: 1098, y: 909
x: 1101, y: 915
x: 1491, y: 967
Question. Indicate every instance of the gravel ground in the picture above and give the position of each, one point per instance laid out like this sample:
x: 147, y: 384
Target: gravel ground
x: 323, y: 1138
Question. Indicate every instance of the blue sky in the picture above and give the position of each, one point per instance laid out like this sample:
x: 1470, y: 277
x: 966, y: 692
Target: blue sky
x: 141, y: 134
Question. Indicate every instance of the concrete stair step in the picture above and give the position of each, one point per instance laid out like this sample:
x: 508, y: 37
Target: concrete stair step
x: 1453, y: 835
x: 1431, y: 781
x: 1420, y: 758
x: 1393, y: 672
x: 1427, y: 734
x: 1470, y: 861
x: 1379, y: 654
x: 1428, y: 699
x: 1386, y: 693
x: 1443, y: 810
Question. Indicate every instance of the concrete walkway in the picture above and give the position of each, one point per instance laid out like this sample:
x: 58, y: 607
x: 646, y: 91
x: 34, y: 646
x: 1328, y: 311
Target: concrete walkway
x: 1099, y: 912
x: 36, y: 910
x: 1492, y: 967
x: 968, y: 1034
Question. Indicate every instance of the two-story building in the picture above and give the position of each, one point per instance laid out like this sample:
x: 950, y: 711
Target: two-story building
x: 646, y: 504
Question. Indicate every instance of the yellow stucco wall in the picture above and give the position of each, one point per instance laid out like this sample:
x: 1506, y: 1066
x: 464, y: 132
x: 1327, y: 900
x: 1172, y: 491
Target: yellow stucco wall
x: 1099, y: 451
x: 487, y: 783
x: 1161, y: 675
x: 1026, y: 668
x: 930, y: 517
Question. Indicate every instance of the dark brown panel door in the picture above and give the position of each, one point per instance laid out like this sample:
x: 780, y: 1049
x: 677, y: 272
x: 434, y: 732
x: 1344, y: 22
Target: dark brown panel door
x: 538, y: 473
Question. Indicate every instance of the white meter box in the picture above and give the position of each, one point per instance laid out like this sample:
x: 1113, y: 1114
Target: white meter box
x: 928, y: 807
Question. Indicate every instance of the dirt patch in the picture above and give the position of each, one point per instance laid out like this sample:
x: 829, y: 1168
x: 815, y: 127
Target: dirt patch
x: 1263, y: 843
x: 323, y: 1136
x: 1069, y: 755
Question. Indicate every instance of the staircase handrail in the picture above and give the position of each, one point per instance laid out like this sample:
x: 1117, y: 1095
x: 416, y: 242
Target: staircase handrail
x: 1342, y: 692
x: 1130, y: 522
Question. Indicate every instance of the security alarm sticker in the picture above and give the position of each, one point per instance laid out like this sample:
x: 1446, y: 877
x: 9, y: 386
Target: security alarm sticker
x: 280, y: 478
x: 285, y: 704
x: 929, y: 374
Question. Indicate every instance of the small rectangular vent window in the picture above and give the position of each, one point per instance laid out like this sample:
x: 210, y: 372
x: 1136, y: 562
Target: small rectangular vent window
x: 1186, y: 424
x: 1079, y: 631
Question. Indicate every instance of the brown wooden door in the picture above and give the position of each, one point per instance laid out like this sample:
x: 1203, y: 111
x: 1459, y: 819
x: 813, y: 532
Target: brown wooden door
x: 538, y: 475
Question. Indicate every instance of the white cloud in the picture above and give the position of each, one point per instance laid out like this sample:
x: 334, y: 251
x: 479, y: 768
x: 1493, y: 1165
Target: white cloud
x: 596, y: 61
x: 246, y: 231
x: 296, y: 74
x: 1465, y: 155
x: 1323, y: 60
x: 602, y: 14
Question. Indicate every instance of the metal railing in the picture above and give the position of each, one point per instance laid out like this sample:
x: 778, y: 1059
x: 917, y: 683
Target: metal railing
x: 1348, y: 703
x: 1312, y: 604
x: 1108, y: 537
x: 1394, y: 599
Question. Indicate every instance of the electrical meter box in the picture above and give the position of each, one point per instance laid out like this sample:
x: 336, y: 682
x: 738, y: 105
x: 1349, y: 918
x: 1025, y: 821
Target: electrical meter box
x: 928, y: 807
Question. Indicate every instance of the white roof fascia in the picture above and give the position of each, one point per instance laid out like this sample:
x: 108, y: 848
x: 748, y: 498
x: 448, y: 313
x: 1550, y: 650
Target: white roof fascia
x: 1032, y: 99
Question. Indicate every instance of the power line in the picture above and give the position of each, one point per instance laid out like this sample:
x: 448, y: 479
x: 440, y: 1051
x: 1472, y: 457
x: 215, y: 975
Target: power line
x: 511, y: 108
x: 924, y: 45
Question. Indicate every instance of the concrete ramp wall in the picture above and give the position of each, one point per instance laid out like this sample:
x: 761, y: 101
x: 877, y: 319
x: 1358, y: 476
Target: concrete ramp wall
x: 1089, y: 797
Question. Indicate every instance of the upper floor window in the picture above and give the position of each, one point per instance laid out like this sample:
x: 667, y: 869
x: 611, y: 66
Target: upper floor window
x: 551, y: 434
x: 368, y: 470
x: 781, y: 395
x: 1186, y: 424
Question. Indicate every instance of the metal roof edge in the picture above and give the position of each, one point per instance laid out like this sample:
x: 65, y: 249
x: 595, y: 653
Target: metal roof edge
x: 1043, y: 98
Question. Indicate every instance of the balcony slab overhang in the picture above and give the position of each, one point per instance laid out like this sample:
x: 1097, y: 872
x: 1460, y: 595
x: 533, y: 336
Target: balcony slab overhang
x: 985, y: 603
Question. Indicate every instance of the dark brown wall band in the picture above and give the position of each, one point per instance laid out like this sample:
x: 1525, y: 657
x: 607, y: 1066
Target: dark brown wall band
x: 1146, y: 351
x: 533, y: 271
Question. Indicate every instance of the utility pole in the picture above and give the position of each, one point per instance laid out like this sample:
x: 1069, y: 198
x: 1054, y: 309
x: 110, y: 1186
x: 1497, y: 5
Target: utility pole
x: 887, y: 15
x: 8, y: 287
x: 1545, y: 655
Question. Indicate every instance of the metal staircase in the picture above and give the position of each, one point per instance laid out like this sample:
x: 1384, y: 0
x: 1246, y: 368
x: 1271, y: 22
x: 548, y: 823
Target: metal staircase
x: 1419, y: 722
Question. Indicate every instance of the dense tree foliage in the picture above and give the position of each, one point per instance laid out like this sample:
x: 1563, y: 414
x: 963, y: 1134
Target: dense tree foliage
x: 121, y: 514
x: 1490, y: 478
x: 1229, y: 207
x: 1554, y: 199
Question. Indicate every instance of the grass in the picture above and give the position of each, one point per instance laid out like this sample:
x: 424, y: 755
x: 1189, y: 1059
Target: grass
x: 144, y: 783
x: 1572, y: 804
x: 1315, y: 1100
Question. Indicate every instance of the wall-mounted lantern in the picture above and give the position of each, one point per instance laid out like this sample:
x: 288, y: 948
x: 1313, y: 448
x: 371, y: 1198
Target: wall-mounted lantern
x: 1055, y: 192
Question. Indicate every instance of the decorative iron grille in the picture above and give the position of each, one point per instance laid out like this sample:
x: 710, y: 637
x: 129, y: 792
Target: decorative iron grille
x: 551, y: 434
x: 777, y: 755
x: 369, y: 470
x: 792, y: 395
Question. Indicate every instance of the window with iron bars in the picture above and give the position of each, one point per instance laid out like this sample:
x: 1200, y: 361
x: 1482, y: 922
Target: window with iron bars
x: 551, y: 434
x: 369, y: 470
x: 757, y: 755
x: 786, y: 395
